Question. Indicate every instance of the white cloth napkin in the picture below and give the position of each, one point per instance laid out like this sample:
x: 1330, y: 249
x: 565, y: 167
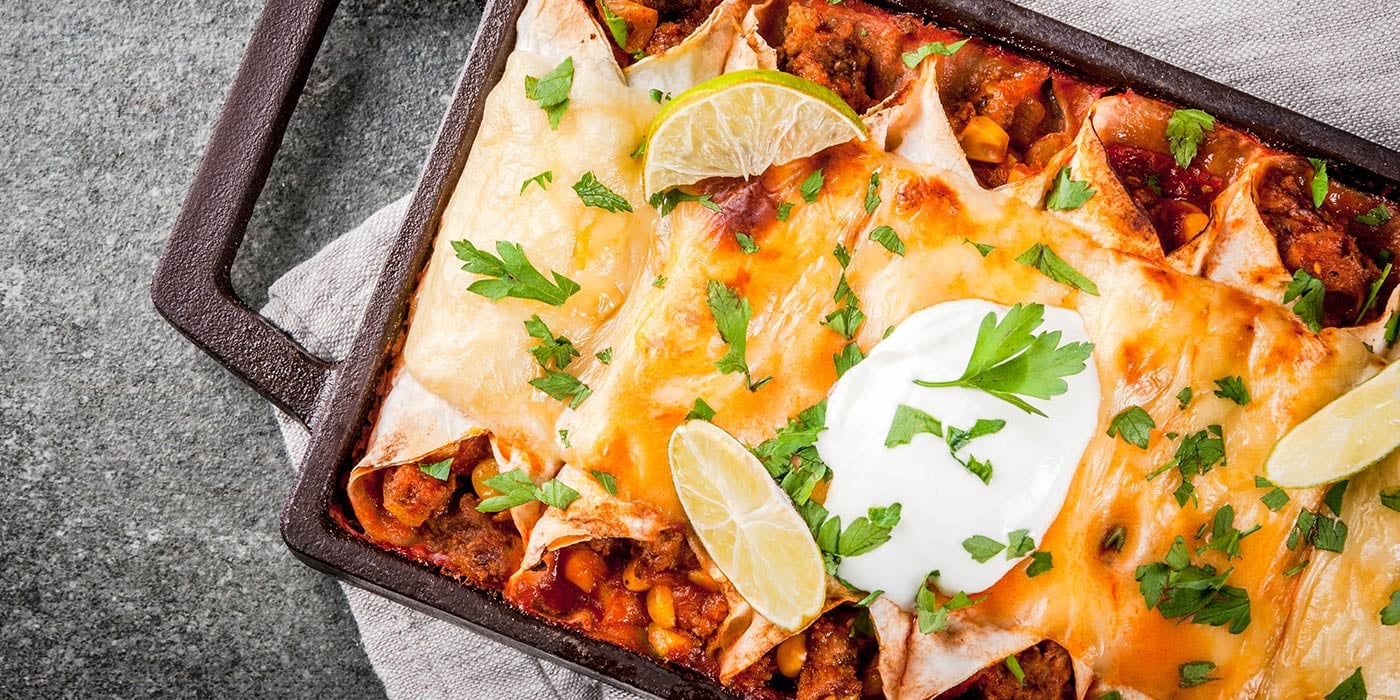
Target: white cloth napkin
x: 1338, y: 61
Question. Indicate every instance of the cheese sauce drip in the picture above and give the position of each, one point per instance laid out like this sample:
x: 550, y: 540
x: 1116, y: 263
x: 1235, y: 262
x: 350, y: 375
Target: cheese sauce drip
x: 1033, y: 457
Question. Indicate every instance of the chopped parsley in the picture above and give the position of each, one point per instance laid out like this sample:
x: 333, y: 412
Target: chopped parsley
x: 1390, y: 614
x: 1134, y: 425
x: 1178, y: 589
x: 908, y: 422
x: 1319, y: 530
x: 517, y: 489
x: 1224, y: 536
x: 1378, y: 216
x: 957, y: 438
x: 437, y: 470
x: 849, y: 357
x: 616, y: 25
x: 1293, y: 570
x: 604, y: 356
x: 864, y: 534
x: 516, y: 277
x: 1309, y: 292
x: 1197, y: 454
x: 1014, y: 667
x: 933, y: 615
x: 551, y: 91
x: 556, y: 350
x: 812, y: 185
x: 1115, y: 539
x: 658, y: 96
x: 1334, y: 496
x: 1391, y: 500
x: 791, y: 458
x: 745, y: 242
x: 982, y: 248
x: 659, y: 282
x: 1186, y: 132
x: 543, y: 180
x: 700, y: 411
x: 886, y: 236
x: 1232, y: 388
x: 1353, y: 688
x: 983, y: 548
x: 1372, y: 294
x: 933, y: 48
x: 1111, y: 695
x: 872, y: 193
x: 869, y: 598
x: 564, y: 438
x: 1275, y: 499
x: 640, y: 150
x: 667, y: 200
x: 1319, y: 182
x: 1067, y: 193
x: 1194, y: 673
x: 606, y: 480
x: 1042, y: 258
x: 732, y: 315
x: 1010, y: 362
x: 562, y: 386
x: 1183, y: 398
x: 784, y: 210
x: 1392, y: 328
x: 1041, y: 562
x: 596, y: 194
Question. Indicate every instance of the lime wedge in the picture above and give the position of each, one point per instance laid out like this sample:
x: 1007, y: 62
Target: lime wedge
x: 1353, y: 432
x: 740, y: 123
x: 748, y: 525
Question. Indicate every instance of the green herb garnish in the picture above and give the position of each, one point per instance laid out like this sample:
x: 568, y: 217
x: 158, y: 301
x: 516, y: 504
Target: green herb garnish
x: 1042, y: 258
x: 437, y: 470
x: 1186, y: 132
x: 556, y: 350
x: 1067, y: 193
x: 517, y: 489
x: 933, y: 48
x: 596, y: 194
x: 886, y: 236
x: 1232, y: 388
x: 732, y: 315
x: 1134, y: 425
x: 551, y: 91
x: 516, y: 276
x: 543, y: 180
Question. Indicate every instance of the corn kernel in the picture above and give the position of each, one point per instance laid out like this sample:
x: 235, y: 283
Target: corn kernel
x: 485, y: 469
x: 792, y: 654
x: 632, y: 577
x: 661, y: 606
x: 584, y: 568
x: 984, y: 141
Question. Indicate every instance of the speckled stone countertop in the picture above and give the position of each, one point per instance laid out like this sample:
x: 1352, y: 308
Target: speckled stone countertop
x: 142, y: 483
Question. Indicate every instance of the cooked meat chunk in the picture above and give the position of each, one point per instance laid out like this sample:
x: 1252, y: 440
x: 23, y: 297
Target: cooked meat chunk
x: 678, y: 19
x: 412, y: 496
x: 853, y: 52
x: 830, y: 671
x: 1049, y: 675
x: 482, y: 549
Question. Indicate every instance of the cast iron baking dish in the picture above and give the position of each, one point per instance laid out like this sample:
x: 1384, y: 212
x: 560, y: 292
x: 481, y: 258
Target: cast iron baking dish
x: 191, y: 286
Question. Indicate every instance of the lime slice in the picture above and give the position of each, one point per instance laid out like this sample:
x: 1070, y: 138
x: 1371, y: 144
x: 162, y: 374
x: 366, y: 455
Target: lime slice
x: 740, y: 123
x: 1353, y: 432
x: 747, y: 525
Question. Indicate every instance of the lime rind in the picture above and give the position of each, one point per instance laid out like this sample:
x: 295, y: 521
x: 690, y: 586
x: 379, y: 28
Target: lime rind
x: 1354, y: 432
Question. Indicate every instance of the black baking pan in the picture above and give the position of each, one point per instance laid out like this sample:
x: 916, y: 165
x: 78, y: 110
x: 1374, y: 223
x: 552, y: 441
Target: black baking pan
x: 191, y: 287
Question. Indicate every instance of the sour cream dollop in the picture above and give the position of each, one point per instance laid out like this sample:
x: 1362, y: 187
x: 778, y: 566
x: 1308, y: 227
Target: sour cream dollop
x: 1033, y: 457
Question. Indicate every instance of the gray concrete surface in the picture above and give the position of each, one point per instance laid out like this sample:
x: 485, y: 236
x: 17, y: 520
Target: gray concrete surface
x: 139, y: 483
x: 139, y: 551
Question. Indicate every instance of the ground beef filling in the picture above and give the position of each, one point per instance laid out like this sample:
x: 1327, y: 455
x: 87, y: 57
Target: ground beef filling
x: 1324, y: 241
x: 484, y: 550
x: 851, y: 50
x: 1175, y: 199
x: 651, y: 26
x: 1049, y: 675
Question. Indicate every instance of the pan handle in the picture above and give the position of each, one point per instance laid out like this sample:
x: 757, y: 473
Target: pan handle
x: 191, y: 287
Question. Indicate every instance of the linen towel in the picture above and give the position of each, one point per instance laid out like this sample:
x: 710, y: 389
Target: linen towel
x: 1338, y: 62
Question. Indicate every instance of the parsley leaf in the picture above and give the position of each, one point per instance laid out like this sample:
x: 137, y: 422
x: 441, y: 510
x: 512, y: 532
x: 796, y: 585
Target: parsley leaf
x: 917, y: 56
x: 1379, y: 216
x: 846, y: 320
x: 1353, y: 688
x: 982, y: 248
x: 872, y: 193
x: 1392, y: 328
x: 700, y: 411
x: 1224, y: 536
x: 1041, y: 257
x: 812, y: 185
x: 866, y: 533
x: 551, y: 91
x: 1134, y: 425
x: 1319, y: 530
x: 517, y: 489
x: 1390, y: 614
x: 596, y: 194
x: 1185, y: 133
x: 562, y: 386
x: 1068, y: 194
x: 869, y: 598
x: 658, y: 96
x: 746, y: 243
x: 1009, y: 362
x: 849, y: 357
x: 559, y: 351
x: 517, y: 277
x: 1014, y: 667
x: 1232, y: 388
x: 1391, y: 500
x: 1334, y: 496
x: 908, y: 422
x: 1194, y: 673
x: 1041, y: 562
x: 616, y: 25
x: 932, y: 615
x: 640, y: 150
x: 732, y: 315
x: 1183, y: 398
x: 1319, y: 182
x: 604, y: 356
x: 437, y: 470
x: 886, y: 236
x: 1372, y: 294
x: 784, y: 210
x: 982, y: 548
x: 666, y: 200
x: 606, y: 480
x: 1275, y: 499
x: 1309, y: 292
x: 1111, y: 695
x: 543, y: 179
x: 1197, y: 454
x: 1179, y: 589
x: 564, y: 438
x: 659, y: 282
